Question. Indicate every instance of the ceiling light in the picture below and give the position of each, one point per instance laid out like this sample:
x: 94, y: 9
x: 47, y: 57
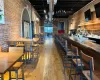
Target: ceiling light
x: 48, y: 1
x: 44, y: 11
x: 46, y: 17
x: 55, y: 1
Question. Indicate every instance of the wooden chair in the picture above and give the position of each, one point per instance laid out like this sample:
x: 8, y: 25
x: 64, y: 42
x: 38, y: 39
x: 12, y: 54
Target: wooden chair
x: 17, y: 65
x: 29, y: 51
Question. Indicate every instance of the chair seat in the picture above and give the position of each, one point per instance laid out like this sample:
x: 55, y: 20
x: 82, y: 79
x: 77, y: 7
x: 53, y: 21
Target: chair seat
x: 78, y: 62
x: 87, y: 75
x: 17, y: 65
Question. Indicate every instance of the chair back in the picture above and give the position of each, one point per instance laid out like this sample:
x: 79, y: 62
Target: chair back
x: 28, y: 46
x: 16, y: 49
x: 88, y: 60
x: 88, y: 63
x: 74, y: 50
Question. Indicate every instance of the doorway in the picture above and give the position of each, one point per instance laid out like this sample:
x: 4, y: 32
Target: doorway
x: 25, y: 24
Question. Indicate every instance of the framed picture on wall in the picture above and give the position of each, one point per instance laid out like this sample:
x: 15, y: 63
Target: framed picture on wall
x: 61, y: 27
x: 2, y: 21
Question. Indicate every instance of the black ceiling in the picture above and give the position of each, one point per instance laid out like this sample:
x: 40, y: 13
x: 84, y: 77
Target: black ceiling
x: 62, y: 9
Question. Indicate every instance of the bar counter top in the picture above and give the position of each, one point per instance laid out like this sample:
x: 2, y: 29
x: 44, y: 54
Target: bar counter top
x: 88, y: 44
x: 89, y: 48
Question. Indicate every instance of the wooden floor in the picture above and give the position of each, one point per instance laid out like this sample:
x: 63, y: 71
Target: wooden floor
x: 49, y: 65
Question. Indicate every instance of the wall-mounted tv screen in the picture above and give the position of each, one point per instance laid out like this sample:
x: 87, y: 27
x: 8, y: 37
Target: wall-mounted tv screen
x: 87, y: 15
x: 97, y: 9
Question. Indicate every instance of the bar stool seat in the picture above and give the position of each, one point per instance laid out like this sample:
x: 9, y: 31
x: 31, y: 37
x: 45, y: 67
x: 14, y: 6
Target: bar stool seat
x: 87, y: 75
x: 78, y: 62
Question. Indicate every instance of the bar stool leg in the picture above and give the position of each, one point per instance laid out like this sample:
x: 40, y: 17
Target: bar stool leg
x: 70, y: 72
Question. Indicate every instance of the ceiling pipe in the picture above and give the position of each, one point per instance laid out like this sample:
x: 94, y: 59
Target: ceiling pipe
x: 51, y: 8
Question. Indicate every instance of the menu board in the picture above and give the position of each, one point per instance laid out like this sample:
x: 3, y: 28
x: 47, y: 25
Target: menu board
x: 2, y: 21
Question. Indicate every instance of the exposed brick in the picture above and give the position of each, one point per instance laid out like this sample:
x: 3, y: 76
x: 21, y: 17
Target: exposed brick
x: 11, y: 29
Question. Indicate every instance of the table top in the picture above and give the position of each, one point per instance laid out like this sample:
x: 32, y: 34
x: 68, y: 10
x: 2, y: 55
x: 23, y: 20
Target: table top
x: 7, y: 60
x: 21, y: 39
x: 25, y: 40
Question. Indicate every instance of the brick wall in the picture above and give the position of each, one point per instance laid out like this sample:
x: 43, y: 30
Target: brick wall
x: 12, y: 27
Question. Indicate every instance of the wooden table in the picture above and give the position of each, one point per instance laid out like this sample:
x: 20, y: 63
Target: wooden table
x: 7, y: 60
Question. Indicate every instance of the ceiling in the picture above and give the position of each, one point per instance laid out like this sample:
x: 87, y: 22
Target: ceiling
x: 62, y: 9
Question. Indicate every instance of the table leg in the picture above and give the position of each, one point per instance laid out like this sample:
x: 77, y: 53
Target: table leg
x: 9, y: 75
x: 16, y: 75
x: 2, y: 77
x: 22, y: 73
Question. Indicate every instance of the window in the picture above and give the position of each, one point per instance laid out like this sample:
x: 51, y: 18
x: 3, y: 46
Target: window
x: 48, y: 29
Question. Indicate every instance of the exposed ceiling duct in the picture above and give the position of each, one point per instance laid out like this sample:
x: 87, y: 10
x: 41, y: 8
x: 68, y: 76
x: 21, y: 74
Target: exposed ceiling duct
x: 51, y: 8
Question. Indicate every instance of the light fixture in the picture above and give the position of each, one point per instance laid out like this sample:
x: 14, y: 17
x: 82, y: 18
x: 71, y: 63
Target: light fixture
x: 55, y: 1
x: 46, y: 17
x: 37, y: 19
x: 48, y: 1
x: 44, y: 11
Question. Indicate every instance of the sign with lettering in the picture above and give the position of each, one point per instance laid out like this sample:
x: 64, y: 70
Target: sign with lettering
x: 2, y: 21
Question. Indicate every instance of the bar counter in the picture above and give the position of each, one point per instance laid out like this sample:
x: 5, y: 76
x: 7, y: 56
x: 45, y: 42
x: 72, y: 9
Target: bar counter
x: 89, y: 48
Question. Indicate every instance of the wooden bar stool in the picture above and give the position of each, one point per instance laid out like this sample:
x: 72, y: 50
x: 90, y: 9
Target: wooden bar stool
x: 70, y: 54
x: 75, y: 63
x: 88, y: 68
x: 17, y: 65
